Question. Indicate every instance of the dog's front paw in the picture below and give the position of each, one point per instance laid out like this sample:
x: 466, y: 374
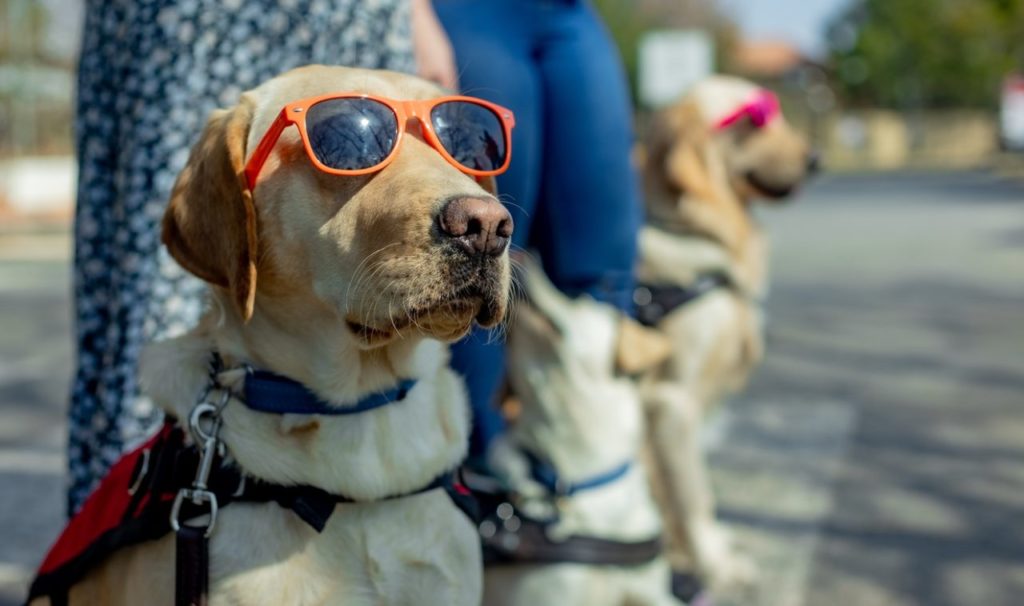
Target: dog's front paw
x: 736, y: 570
x: 719, y: 562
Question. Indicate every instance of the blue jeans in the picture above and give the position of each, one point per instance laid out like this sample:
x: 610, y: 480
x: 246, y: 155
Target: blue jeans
x: 570, y: 188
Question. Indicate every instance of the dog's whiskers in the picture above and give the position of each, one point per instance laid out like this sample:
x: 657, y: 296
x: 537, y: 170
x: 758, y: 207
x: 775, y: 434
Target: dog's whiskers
x: 373, y: 273
x: 506, y: 199
x: 361, y: 269
x: 517, y: 294
x: 391, y: 315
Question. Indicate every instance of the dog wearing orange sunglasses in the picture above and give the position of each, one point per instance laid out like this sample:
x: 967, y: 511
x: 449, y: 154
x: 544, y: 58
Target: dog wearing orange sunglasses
x: 702, y: 277
x: 347, y: 225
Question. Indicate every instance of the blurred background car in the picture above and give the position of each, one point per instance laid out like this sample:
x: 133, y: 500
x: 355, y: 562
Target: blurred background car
x: 1011, y: 114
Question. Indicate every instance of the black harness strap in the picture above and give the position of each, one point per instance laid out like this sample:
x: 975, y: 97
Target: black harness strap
x: 173, y: 483
x: 192, y: 565
x: 528, y: 542
x: 655, y: 301
x: 313, y: 505
x: 511, y: 537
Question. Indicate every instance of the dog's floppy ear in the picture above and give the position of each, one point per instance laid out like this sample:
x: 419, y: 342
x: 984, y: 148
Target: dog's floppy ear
x: 684, y: 156
x: 640, y: 348
x: 532, y: 324
x: 210, y: 224
x: 542, y: 293
x: 680, y: 150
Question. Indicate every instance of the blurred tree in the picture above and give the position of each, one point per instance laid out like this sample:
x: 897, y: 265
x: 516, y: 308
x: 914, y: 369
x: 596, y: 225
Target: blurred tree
x: 926, y: 53
x: 35, y: 75
x: 22, y: 30
x: 628, y: 20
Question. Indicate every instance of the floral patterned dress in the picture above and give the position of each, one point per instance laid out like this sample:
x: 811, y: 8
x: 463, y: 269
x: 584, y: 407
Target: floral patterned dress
x: 150, y: 73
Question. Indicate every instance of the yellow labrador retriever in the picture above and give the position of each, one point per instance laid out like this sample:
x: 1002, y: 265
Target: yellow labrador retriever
x: 340, y: 284
x: 583, y: 528
x: 708, y: 158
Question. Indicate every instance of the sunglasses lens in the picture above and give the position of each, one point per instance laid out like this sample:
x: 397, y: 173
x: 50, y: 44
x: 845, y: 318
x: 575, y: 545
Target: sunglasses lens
x: 757, y: 116
x: 351, y: 134
x: 472, y: 134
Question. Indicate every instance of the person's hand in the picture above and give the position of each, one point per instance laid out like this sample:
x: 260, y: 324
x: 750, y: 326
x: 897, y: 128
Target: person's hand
x: 435, y: 60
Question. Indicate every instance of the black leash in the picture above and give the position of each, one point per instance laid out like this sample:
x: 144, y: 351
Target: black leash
x: 192, y: 567
x: 192, y: 541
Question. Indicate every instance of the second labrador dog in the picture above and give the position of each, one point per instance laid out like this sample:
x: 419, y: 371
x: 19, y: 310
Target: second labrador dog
x: 585, y: 529
x: 341, y: 255
x: 708, y: 158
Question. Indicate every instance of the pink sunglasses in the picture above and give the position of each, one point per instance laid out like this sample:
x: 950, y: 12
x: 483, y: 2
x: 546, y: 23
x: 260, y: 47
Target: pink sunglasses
x: 761, y: 110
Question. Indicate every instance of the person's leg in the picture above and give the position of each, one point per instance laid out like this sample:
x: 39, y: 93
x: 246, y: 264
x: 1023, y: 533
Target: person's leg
x: 589, y: 213
x: 96, y: 134
x: 493, y: 52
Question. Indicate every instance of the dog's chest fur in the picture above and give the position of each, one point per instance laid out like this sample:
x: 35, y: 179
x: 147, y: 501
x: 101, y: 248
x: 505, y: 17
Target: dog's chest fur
x: 718, y: 338
x: 417, y: 549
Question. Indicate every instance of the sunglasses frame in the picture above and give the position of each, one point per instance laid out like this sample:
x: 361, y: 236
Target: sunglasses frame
x: 762, y: 109
x: 295, y: 113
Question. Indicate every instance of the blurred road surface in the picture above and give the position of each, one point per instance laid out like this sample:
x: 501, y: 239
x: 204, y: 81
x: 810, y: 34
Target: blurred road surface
x: 878, y: 457
x: 35, y: 367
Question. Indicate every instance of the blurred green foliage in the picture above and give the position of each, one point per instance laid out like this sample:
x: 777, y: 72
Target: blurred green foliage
x: 906, y: 54
x: 629, y: 20
x: 22, y: 24
x: 627, y: 26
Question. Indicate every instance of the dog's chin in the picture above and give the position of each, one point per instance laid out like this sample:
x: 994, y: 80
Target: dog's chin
x: 445, y: 321
x: 448, y: 321
x: 764, y: 188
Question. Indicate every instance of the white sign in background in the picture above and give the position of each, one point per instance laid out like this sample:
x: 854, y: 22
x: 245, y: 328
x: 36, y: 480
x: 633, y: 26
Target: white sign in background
x: 670, y: 62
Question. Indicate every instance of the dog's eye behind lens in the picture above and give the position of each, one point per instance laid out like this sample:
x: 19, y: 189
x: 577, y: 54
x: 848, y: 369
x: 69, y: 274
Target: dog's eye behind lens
x: 351, y: 134
x: 471, y: 133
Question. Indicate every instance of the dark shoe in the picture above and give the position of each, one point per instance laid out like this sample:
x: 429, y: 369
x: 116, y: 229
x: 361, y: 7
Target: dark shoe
x: 688, y: 588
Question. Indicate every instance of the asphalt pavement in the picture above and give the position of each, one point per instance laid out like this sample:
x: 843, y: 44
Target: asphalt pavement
x: 877, y: 457
x: 35, y: 368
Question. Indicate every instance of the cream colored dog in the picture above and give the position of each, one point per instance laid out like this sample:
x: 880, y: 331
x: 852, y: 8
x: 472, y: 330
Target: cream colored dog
x: 569, y: 366
x: 345, y: 284
x: 700, y: 181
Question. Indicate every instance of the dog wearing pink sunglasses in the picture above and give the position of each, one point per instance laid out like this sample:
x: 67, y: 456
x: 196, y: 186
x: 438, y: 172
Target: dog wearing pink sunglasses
x: 346, y: 223
x: 708, y: 158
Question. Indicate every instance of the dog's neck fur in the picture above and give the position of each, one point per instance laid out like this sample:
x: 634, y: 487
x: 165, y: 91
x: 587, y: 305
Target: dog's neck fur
x: 588, y: 441
x: 389, y: 450
x: 582, y: 438
x: 310, y: 343
x: 725, y: 222
x: 584, y: 425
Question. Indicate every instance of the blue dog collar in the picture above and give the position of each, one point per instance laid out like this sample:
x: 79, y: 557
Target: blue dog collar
x: 545, y: 474
x: 272, y: 393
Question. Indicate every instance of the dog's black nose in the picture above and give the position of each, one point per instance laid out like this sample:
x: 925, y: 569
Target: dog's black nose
x: 480, y: 226
x: 813, y: 162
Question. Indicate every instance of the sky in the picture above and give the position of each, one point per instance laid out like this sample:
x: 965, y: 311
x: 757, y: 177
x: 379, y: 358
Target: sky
x: 799, y: 21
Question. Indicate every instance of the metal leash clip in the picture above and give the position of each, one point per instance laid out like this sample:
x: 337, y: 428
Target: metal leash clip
x: 210, y: 447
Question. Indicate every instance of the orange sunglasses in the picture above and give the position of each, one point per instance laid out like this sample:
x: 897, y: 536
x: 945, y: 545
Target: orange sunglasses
x: 353, y: 134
